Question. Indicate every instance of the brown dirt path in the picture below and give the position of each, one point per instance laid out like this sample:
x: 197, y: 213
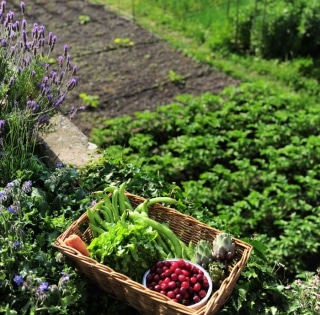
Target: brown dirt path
x: 126, y: 78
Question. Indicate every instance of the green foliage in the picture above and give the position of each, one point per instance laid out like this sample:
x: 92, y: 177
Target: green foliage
x: 280, y: 29
x: 127, y: 248
x: 84, y: 19
x: 250, y: 155
x: 89, y: 100
x: 175, y: 77
x: 30, y: 91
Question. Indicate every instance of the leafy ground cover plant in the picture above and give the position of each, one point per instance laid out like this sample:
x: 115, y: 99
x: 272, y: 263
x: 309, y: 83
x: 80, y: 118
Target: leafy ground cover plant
x: 34, y: 86
x: 307, y: 291
x: 248, y: 155
x: 35, y: 278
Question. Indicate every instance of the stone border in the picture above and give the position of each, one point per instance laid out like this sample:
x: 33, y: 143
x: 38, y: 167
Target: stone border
x: 67, y: 144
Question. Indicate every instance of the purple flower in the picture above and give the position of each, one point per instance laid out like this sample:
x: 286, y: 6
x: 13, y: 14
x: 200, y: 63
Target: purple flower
x: 2, y: 123
x: 72, y: 83
x: 16, y: 244
x: 22, y: 6
x: 59, y: 165
x: 18, y: 280
x: 74, y: 70
x: 12, y: 50
x: 3, y: 195
x: 26, y: 186
x: 65, y: 277
x: 24, y: 36
x: 32, y: 105
x: 10, y: 185
x: 58, y: 102
x: 41, y: 31
x: 60, y: 60
x: 16, y: 26
x: 50, y: 40
x: 43, y: 119
x: 12, y: 209
x: 24, y: 24
x: 65, y: 49
x: 44, y: 286
x: 11, y: 81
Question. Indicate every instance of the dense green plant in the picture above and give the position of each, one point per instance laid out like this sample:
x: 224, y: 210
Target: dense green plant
x: 33, y: 279
x: 281, y: 29
x: 249, y: 155
x: 32, y: 89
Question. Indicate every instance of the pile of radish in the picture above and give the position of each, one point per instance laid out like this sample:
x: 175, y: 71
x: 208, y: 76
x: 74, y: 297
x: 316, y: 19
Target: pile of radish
x: 179, y: 280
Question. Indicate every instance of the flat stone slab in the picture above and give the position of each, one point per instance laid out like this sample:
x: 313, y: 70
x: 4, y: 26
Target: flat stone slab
x: 67, y: 144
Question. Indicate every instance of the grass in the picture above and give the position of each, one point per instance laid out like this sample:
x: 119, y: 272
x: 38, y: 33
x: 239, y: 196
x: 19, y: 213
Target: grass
x: 193, y: 36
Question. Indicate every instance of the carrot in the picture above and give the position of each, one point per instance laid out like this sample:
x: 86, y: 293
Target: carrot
x: 77, y: 243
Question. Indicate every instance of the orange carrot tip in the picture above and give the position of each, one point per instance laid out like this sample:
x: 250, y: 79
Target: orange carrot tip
x: 77, y: 243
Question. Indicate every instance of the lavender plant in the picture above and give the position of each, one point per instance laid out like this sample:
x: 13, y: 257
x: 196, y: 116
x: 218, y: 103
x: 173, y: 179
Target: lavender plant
x: 33, y: 88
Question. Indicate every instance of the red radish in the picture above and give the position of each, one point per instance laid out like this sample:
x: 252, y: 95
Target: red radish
x: 179, y: 280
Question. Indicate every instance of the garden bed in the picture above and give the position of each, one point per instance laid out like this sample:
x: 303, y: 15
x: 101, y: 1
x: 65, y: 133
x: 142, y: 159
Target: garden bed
x: 127, y: 67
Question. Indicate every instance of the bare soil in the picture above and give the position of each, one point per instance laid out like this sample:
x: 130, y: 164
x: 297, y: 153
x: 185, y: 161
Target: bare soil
x: 127, y: 77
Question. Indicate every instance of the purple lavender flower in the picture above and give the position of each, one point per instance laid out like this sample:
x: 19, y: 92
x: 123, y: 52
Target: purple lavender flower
x: 41, y: 32
x: 24, y: 24
x: 11, y: 81
x: 22, y: 6
x: 43, y: 119
x: 60, y: 60
x: 16, y: 26
x: 74, y: 70
x: 35, y: 30
x: 24, y: 36
x: 54, y: 40
x: 58, y: 102
x: 50, y: 41
x: 18, y: 280
x: 72, y: 83
x: 65, y: 50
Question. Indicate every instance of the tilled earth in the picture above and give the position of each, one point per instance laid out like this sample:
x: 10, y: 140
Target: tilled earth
x: 126, y: 66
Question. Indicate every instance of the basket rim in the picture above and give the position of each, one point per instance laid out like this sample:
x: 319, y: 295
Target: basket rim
x: 217, y: 299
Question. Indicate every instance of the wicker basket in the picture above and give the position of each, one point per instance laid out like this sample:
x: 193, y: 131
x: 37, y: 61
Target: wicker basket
x: 135, y: 294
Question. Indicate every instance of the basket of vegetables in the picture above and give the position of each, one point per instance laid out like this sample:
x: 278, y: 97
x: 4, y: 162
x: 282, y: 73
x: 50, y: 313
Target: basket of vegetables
x: 123, y: 235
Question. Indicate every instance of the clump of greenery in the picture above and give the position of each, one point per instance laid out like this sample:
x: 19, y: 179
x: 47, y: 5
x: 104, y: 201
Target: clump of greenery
x: 281, y: 29
x: 305, y: 294
x: 33, y: 88
x: 248, y: 155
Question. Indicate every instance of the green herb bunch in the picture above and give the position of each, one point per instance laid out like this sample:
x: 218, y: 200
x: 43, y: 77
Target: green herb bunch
x: 127, y: 248
x: 33, y: 88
